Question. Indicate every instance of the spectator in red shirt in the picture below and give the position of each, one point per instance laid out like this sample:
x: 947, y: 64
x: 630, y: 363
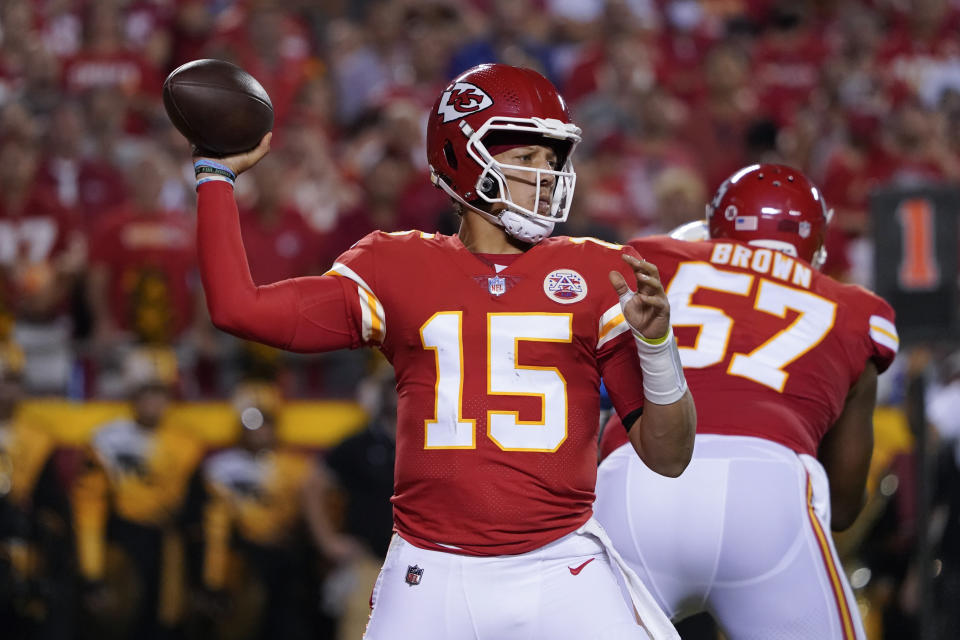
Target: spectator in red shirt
x: 279, y: 242
x: 787, y: 63
x: 41, y: 254
x: 922, y: 48
x: 721, y: 118
x: 142, y: 283
x: 80, y: 180
x: 105, y: 63
x: 272, y: 44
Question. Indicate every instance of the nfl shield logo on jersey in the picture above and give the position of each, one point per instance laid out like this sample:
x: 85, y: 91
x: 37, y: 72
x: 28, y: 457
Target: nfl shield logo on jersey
x: 565, y: 286
x: 497, y: 285
x: 414, y: 574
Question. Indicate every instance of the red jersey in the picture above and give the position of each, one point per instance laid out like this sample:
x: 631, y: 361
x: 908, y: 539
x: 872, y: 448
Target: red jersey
x: 281, y: 248
x: 498, y: 373
x: 38, y: 230
x: 782, y: 340
x: 152, y: 265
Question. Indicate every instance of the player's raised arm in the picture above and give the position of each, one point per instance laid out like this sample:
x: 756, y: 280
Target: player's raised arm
x: 275, y: 314
x: 663, y: 435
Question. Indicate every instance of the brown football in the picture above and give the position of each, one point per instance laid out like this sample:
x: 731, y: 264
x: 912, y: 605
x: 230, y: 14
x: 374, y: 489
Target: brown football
x: 217, y: 106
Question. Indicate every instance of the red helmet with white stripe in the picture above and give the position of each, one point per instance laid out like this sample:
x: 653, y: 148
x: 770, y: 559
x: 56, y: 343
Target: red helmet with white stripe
x: 773, y: 206
x: 492, y: 105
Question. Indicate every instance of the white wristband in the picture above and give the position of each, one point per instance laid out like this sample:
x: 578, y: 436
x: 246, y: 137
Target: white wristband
x: 663, y: 380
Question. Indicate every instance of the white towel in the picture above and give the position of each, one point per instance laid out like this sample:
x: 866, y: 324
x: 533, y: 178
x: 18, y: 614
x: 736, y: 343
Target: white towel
x: 652, y: 617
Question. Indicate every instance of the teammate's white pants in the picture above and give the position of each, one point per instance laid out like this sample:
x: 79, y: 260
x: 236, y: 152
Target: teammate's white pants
x: 568, y: 589
x: 744, y: 533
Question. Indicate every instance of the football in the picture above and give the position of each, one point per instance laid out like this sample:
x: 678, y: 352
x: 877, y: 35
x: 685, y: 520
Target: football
x: 217, y: 106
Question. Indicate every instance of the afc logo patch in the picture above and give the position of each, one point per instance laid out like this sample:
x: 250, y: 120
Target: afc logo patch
x: 463, y: 99
x: 565, y: 286
x: 414, y: 575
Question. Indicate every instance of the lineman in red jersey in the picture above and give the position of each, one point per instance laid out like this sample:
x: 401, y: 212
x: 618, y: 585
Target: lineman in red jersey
x: 782, y: 362
x: 499, y: 337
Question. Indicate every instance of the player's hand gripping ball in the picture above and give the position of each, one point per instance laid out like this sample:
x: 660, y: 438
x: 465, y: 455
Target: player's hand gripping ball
x: 217, y: 106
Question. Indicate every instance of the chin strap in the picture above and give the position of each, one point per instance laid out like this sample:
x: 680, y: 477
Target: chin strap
x: 516, y: 225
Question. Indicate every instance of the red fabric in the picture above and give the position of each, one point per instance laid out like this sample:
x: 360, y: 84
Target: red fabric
x: 911, y: 59
x: 31, y: 238
x: 818, y: 380
x: 505, y: 259
x: 37, y: 231
x: 98, y: 187
x: 152, y: 265
x: 284, y: 248
x: 303, y: 314
x: 121, y: 70
x: 718, y: 138
x: 680, y: 63
x: 488, y: 501
x: 484, y: 500
x: 124, y: 71
x: 787, y: 71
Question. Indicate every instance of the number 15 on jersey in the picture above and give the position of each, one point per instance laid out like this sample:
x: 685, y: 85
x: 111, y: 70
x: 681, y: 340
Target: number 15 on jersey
x: 449, y: 429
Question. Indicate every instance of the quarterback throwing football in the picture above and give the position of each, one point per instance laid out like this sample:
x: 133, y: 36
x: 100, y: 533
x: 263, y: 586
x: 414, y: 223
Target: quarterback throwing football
x: 499, y: 337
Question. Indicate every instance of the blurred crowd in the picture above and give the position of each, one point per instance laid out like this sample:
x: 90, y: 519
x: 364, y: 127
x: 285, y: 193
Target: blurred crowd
x: 96, y: 196
x: 97, y: 257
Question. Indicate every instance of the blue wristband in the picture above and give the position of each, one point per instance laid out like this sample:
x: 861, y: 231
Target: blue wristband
x: 215, y: 165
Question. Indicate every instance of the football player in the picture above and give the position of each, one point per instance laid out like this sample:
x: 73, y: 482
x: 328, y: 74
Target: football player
x: 782, y: 362
x: 499, y: 336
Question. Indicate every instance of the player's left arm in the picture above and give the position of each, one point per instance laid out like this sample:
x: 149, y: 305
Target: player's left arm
x: 663, y: 435
x: 846, y: 449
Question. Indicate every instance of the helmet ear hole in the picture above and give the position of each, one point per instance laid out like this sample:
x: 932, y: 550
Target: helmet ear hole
x: 488, y: 187
x: 449, y: 154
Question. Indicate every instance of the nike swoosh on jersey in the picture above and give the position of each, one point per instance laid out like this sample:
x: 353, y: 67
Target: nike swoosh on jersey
x: 576, y: 570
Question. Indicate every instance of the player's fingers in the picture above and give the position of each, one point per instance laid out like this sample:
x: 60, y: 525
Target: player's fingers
x: 262, y: 149
x: 647, y: 268
x: 658, y: 303
x: 264, y: 145
x: 632, y: 261
x: 648, y: 278
x: 649, y: 285
x: 642, y: 267
x: 619, y: 283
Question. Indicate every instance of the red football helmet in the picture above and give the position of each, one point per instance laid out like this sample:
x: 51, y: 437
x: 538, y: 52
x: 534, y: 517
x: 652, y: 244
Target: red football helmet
x: 773, y: 206
x: 496, y: 104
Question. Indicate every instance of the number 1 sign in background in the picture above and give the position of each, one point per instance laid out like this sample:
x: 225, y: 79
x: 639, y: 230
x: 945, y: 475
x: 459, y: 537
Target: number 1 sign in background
x: 916, y: 241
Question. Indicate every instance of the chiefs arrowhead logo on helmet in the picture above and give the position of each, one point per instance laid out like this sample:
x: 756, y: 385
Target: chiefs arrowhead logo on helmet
x: 496, y: 105
x: 463, y: 99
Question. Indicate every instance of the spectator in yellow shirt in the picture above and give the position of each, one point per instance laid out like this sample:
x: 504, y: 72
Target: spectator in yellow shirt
x: 128, y: 502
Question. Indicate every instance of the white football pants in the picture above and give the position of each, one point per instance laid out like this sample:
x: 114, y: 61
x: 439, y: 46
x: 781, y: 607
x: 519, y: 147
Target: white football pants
x: 568, y: 589
x: 743, y: 533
